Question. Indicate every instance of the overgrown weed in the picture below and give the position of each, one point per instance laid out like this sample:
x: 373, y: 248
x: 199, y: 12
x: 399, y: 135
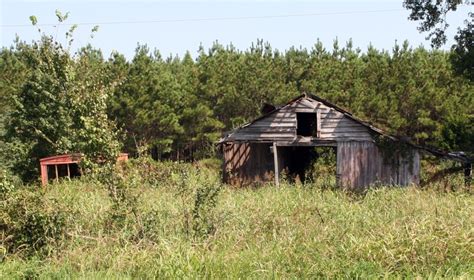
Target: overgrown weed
x: 189, y: 225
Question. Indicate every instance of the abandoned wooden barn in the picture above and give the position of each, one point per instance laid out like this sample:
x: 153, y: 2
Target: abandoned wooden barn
x: 283, y: 138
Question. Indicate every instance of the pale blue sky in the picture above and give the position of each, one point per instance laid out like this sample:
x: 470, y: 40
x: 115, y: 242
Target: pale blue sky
x: 171, y: 26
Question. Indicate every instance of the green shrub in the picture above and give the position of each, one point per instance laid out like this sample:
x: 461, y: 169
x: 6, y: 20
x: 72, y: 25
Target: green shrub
x: 6, y: 183
x: 32, y: 225
x: 197, y: 190
x: 155, y: 173
x: 205, y: 202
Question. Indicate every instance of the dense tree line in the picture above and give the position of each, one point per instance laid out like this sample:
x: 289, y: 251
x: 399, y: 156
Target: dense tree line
x: 181, y: 105
x: 177, y: 107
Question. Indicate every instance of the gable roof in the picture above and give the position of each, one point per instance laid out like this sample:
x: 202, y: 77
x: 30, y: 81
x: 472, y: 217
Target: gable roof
x: 461, y: 157
x: 314, y: 98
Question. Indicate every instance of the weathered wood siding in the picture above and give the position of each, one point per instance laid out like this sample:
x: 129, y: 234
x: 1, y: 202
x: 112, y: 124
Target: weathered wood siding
x: 334, y: 125
x: 281, y: 125
x: 278, y: 126
x: 247, y: 163
x: 361, y: 164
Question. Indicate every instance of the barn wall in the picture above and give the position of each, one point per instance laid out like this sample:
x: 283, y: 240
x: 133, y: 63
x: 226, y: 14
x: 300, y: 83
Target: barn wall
x: 334, y: 125
x: 281, y: 125
x: 360, y: 164
x: 359, y: 161
x: 247, y: 163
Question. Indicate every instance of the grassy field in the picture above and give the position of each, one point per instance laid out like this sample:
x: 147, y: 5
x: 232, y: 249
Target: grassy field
x: 181, y: 223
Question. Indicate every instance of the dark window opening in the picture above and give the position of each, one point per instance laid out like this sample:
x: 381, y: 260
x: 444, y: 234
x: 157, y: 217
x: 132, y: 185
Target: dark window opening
x: 62, y: 170
x: 306, y: 124
x: 70, y: 170
x: 51, y: 172
x: 74, y: 170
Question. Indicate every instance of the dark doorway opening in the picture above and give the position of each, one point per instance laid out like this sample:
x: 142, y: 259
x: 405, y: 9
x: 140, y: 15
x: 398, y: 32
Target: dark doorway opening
x: 296, y: 161
x: 306, y: 124
x: 309, y: 164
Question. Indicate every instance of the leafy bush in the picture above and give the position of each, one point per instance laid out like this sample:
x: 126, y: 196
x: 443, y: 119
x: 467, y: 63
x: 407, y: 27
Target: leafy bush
x: 7, y: 183
x: 204, y: 207
x: 196, y: 190
x: 155, y: 173
x: 32, y: 225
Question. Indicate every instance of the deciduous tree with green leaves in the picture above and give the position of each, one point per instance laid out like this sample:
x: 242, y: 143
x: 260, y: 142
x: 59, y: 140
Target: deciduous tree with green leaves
x: 60, y: 107
x: 432, y: 17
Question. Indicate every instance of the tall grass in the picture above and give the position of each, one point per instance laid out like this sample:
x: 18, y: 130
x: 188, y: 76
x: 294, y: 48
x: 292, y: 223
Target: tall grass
x: 185, y: 225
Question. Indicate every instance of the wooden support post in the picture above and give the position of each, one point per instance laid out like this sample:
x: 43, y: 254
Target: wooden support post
x: 318, y: 123
x: 68, y: 172
x: 57, y: 175
x: 275, y: 161
x: 44, y: 174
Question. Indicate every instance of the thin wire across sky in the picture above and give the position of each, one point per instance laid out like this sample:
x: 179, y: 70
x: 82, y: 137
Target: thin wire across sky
x: 239, y: 18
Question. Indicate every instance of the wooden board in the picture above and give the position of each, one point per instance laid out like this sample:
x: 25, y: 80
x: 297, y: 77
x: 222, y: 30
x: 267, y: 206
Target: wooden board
x: 247, y: 163
x: 281, y: 125
x: 361, y: 164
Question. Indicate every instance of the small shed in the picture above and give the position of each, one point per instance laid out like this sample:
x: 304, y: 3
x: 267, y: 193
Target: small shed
x: 282, y: 139
x: 55, y: 167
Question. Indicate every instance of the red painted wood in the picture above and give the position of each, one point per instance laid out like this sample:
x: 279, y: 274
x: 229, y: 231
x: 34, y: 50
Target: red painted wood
x: 65, y: 159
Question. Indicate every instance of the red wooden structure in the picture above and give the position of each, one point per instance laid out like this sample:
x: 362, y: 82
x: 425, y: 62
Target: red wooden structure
x: 55, y: 167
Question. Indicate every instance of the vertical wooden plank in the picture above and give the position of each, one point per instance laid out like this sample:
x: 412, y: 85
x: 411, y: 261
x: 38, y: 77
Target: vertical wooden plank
x: 68, y: 171
x: 344, y: 163
x: 44, y: 174
x: 239, y: 166
x: 378, y: 163
x: 354, y: 165
x: 416, y: 168
x: 275, y: 162
x: 339, y: 165
x: 365, y: 165
x: 56, y: 169
x: 239, y: 155
x: 360, y: 164
x: 224, y: 163
x: 232, y: 157
x: 369, y: 171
